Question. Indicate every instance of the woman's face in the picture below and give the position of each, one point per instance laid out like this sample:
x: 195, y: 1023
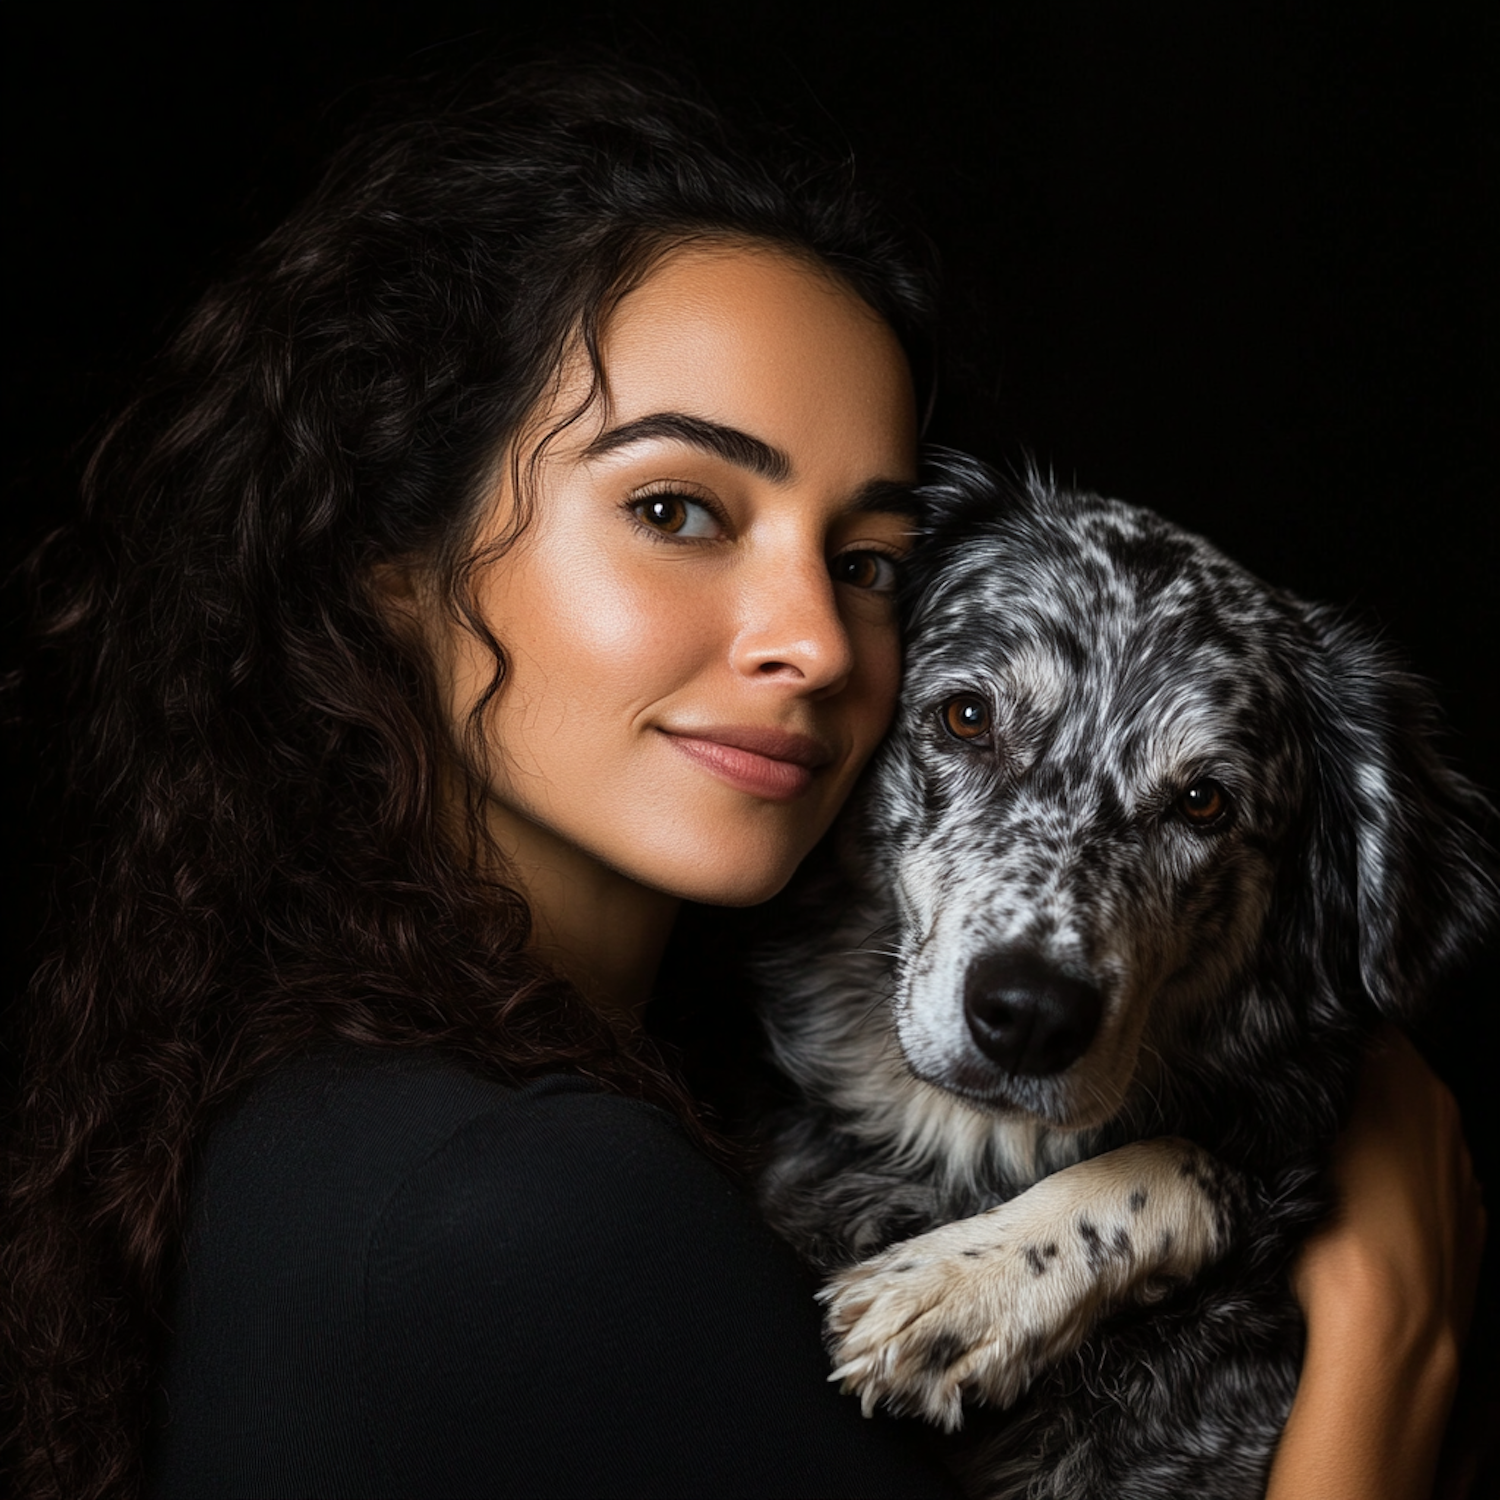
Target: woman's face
x: 697, y: 618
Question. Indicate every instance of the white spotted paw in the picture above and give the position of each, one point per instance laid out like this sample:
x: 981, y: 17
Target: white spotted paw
x: 959, y: 1311
x: 982, y: 1306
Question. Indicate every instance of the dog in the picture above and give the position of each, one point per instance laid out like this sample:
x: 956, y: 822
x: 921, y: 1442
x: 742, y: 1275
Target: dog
x: 1074, y: 1009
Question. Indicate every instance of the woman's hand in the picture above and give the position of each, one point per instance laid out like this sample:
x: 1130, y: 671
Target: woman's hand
x: 1388, y: 1287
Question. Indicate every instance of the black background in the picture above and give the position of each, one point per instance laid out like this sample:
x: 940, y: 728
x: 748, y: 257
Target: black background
x: 1238, y: 263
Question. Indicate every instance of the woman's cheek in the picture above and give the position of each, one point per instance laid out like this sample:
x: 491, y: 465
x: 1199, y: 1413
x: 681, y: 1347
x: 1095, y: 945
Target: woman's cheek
x: 594, y: 637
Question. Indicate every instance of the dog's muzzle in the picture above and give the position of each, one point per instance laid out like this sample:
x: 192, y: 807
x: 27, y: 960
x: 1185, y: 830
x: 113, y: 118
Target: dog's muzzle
x: 1027, y: 1017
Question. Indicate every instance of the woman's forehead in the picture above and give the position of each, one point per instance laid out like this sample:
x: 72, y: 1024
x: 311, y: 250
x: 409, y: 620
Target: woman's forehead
x: 766, y: 343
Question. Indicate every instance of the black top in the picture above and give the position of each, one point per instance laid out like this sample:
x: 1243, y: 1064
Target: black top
x: 401, y: 1279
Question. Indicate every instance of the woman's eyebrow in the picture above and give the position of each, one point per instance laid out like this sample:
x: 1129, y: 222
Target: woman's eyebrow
x: 728, y: 443
x: 897, y: 496
x: 746, y: 452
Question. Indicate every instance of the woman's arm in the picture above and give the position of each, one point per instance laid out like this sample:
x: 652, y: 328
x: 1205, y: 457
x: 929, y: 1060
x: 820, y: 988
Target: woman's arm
x: 1388, y: 1287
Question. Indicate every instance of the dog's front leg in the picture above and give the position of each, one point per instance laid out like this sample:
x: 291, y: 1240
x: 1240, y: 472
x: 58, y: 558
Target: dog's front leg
x: 981, y: 1306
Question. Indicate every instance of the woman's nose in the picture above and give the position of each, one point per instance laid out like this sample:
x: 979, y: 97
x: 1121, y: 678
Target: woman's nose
x: 793, y: 631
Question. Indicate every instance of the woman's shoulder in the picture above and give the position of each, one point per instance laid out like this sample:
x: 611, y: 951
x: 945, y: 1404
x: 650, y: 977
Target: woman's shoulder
x: 342, y: 1131
x: 361, y: 1213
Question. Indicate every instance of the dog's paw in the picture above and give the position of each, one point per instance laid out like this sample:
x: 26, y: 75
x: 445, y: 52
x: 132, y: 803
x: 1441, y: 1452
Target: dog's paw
x: 949, y: 1314
x: 980, y: 1307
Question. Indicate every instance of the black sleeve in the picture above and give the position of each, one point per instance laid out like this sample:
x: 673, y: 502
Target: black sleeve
x: 566, y: 1298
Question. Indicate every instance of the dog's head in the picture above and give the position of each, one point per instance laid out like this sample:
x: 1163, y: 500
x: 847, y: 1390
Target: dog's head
x: 1123, y: 772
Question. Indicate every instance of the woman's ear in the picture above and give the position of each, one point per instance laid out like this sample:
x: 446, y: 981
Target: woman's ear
x: 1425, y: 876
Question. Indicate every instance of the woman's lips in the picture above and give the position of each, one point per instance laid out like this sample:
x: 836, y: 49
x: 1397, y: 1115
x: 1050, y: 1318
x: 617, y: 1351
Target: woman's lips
x: 771, y: 763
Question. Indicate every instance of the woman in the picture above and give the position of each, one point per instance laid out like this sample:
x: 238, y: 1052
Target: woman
x: 502, y: 557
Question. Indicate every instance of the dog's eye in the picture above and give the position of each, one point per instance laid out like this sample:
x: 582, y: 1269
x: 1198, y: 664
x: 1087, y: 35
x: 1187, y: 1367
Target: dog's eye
x: 1205, y: 802
x: 966, y: 717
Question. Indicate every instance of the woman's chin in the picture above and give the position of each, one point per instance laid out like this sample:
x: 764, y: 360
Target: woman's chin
x: 718, y: 851
x: 719, y: 876
x: 732, y: 887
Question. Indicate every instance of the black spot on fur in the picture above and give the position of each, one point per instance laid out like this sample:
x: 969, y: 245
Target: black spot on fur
x: 972, y: 1254
x: 1195, y: 1174
x: 941, y: 1353
x: 1151, y: 564
x: 934, y: 798
x: 1120, y: 1244
x: 1219, y: 1188
x: 1137, y: 1200
x: 1093, y: 1245
x: 1067, y: 645
x: 1035, y: 1261
x: 906, y: 1265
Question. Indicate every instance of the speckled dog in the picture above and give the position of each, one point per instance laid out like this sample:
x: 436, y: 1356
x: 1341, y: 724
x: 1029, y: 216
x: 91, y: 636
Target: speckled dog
x: 1151, y: 848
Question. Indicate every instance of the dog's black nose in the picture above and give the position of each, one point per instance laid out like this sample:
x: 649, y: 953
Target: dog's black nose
x: 1026, y: 1016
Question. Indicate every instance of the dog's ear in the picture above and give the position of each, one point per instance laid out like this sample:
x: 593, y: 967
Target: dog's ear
x: 954, y: 486
x: 957, y: 490
x: 1424, y: 873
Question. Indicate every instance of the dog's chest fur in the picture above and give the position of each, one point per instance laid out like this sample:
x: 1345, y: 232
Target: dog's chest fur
x: 1077, y: 999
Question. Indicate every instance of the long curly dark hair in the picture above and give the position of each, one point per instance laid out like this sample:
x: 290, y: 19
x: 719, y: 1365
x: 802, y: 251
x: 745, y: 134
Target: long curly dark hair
x: 256, y: 863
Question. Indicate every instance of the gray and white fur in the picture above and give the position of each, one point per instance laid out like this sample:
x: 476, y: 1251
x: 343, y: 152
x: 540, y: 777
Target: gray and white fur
x: 1073, y: 1012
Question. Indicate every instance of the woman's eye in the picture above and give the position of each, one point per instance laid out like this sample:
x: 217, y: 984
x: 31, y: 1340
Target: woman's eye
x: 966, y: 717
x: 1204, y: 804
x: 677, y: 515
x: 866, y: 570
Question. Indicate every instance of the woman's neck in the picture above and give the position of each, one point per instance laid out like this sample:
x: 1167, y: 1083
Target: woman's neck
x: 602, y: 931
